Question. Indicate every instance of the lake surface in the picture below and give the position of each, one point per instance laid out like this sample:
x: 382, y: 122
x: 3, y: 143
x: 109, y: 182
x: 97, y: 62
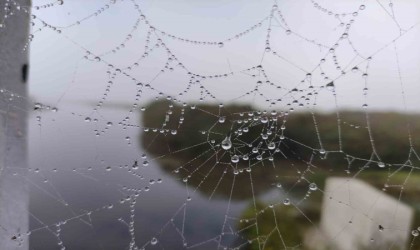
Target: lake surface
x: 110, y: 192
x: 70, y: 182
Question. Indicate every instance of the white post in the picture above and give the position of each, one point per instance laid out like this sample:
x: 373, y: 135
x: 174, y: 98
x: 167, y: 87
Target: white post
x: 14, y: 197
x: 356, y: 215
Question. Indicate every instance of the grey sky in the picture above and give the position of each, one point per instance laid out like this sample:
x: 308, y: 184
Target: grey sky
x: 54, y: 58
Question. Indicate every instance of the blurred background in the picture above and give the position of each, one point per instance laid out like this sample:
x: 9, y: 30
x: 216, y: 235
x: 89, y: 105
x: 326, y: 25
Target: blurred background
x: 209, y: 124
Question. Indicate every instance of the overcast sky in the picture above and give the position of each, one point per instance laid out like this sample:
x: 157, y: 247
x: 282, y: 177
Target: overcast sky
x: 59, y: 75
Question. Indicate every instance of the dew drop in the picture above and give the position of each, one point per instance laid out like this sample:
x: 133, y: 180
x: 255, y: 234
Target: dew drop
x: 381, y: 164
x: 286, y: 202
x: 330, y: 86
x: 226, y: 143
x: 313, y: 186
x: 235, y: 159
x: 415, y: 233
x: 37, y: 106
x: 154, y: 241
x: 264, y: 119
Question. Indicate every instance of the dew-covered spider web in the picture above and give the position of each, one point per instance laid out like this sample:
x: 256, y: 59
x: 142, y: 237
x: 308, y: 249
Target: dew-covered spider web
x: 210, y: 124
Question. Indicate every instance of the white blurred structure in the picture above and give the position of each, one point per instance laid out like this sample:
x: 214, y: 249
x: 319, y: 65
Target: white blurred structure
x: 356, y: 215
x: 14, y: 198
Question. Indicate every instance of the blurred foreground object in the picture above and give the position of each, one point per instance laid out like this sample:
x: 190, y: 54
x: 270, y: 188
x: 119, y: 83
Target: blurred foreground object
x: 356, y: 215
x: 14, y: 198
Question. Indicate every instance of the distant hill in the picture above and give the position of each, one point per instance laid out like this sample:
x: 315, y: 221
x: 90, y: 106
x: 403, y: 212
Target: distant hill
x: 389, y: 132
x: 192, y: 153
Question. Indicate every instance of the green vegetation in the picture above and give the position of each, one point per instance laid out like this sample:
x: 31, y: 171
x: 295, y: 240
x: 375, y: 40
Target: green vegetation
x: 272, y: 227
x: 191, y: 155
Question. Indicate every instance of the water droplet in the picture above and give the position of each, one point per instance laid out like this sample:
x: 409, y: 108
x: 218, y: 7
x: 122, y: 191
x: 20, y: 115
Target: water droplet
x: 271, y: 145
x: 226, y: 143
x: 235, y: 159
x: 154, y: 241
x: 322, y: 151
x: 330, y: 86
x: 108, y: 168
x: 381, y: 164
x: 220, y: 44
x: 415, y: 233
x: 145, y: 163
x: 313, y: 186
x: 222, y: 119
x: 264, y: 119
x: 37, y: 106
x: 381, y: 228
x: 286, y: 202
x: 88, y: 119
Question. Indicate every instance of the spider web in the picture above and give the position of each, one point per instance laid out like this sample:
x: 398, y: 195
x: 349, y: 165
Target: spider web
x: 152, y: 128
